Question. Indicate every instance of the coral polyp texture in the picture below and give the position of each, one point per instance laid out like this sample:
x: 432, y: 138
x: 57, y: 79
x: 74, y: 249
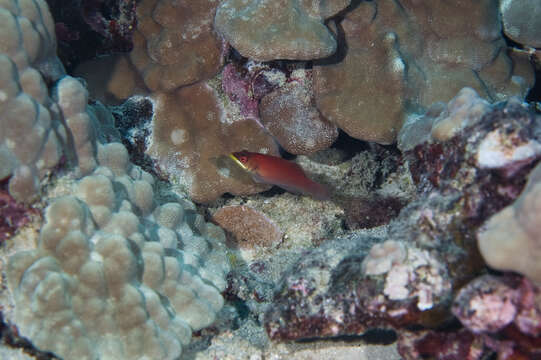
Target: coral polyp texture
x: 403, y: 57
x: 290, y: 115
x: 285, y: 29
x: 108, y: 279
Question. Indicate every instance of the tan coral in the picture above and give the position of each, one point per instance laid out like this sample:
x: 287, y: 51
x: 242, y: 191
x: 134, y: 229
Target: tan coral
x: 32, y: 134
x: 364, y: 93
x: 510, y: 239
x: 192, y: 137
x: 174, y: 44
x: 402, y: 58
x: 465, y: 109
x: 290, y: 115
x: 522, y: 21
x: 278, y: 29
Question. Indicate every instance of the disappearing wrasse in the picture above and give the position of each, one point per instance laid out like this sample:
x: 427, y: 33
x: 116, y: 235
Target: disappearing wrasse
x: 277, y: 171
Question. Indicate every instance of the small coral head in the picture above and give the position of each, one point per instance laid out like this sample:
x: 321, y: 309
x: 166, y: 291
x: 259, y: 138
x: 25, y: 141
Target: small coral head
x: 242, y: 158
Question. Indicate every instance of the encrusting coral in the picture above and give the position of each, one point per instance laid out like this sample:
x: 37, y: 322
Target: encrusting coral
x: 174, y: 44
x: 249, y: 227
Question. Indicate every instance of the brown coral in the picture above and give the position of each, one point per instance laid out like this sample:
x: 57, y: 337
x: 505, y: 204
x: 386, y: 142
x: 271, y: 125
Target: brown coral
x: 174, y: 44
x: 278, y: 29
x: 248, y: 226
x: 403, y: 57
x: 192, y: 136
x: 290, y: 115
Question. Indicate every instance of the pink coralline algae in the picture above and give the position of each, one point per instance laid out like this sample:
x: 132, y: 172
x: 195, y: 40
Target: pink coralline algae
x: 245, y: 84
x: 13, y: 215
x: 487, y: 304
x: 490, y: 303
x: 501, y: 315
x: 326, y: 293
x: 460, y: 345
x: 238, y: 87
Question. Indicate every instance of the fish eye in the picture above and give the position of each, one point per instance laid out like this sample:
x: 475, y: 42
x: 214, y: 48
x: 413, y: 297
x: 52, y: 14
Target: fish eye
x: 243, y: 159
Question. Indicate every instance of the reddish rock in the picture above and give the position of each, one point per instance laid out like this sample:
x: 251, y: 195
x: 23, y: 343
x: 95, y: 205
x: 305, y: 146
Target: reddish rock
x: 247, y: 227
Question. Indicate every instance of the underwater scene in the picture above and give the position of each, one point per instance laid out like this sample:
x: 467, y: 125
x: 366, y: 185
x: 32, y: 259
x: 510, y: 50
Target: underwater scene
x: 270, y: 179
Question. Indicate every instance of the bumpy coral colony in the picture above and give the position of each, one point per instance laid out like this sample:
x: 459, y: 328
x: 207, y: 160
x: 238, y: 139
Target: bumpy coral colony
x: 413, y: 178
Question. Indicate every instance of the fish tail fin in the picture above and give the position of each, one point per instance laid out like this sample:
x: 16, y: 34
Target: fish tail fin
x: 319, y: 191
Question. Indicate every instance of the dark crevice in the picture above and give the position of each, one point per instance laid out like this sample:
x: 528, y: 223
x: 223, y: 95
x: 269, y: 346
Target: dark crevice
x: 9, y: 337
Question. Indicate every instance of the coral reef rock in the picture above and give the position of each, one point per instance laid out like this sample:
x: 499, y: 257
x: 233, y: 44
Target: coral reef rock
x: 427, y: 256
x: 327, y: 293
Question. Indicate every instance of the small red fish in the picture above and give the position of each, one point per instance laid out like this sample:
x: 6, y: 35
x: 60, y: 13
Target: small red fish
x: 277, y: 171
